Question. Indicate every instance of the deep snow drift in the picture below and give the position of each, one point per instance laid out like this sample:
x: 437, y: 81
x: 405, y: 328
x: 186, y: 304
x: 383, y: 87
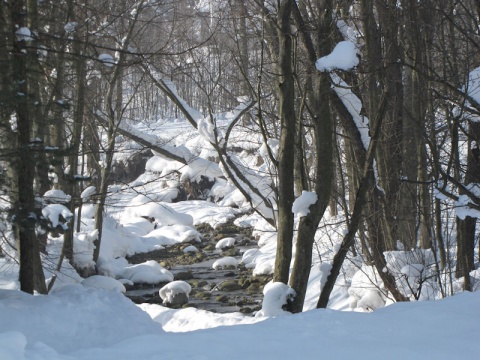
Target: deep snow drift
x: 79, y: 323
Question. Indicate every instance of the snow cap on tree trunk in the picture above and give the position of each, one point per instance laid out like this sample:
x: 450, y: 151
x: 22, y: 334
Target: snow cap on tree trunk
x: 277, y: 296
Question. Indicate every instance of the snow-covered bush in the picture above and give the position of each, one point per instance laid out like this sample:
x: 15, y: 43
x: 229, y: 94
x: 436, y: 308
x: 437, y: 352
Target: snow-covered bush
x: 414, y: 271
x: 366, y: 290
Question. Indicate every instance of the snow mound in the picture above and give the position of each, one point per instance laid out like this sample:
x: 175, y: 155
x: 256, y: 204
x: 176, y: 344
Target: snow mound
x: 103, y: 282
x: 190, y: 249
x: 365, y: 293
x: 168, y: 292
x: 225, y: 262
x: 263, y: 268
x: 143, y: 206
x: 149, y: 272
x: 180, y: 233
x: 276, y: 296
x: 226, y: 242
x: 55, y: 212
x: 88, y: 192
x: 62, y: 322
x: 56, y: 196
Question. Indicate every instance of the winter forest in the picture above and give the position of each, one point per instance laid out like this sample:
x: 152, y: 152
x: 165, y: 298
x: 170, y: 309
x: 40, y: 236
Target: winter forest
x: 309, y: 154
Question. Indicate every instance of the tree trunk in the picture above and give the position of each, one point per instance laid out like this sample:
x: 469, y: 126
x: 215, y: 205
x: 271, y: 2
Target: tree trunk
x: 31, y: 273
x: 286, y: 95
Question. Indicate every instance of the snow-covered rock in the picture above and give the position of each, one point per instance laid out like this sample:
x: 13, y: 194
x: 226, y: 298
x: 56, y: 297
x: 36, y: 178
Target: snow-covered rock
x: 226, y: 242
x: 175, y: 293
x: 225, y: 262
x: 190, y: 249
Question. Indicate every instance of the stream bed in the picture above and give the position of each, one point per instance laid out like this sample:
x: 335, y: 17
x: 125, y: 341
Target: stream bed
x: 232, y: 289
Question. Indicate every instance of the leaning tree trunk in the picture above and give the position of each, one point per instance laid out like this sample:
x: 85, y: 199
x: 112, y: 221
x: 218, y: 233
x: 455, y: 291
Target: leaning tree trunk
x: 366, y: 186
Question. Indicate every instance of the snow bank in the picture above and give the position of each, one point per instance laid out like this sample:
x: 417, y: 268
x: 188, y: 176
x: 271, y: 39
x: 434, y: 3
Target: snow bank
x: 75, y: 323
x: 70, y: 318
x: 163, y: 214
x: 103, y: 282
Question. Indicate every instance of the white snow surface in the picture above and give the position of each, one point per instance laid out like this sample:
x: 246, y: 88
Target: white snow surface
x: 79, y: 323
x: 103, y: 282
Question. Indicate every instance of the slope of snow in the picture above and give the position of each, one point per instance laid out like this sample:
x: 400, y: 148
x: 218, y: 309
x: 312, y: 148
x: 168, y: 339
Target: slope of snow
x: 79, y: 323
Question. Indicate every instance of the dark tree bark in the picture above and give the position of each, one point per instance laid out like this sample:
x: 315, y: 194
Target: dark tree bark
x: 286, y: 95
x: 31, y: 273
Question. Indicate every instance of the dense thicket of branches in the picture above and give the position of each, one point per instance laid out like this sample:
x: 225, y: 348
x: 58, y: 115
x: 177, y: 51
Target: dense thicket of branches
x: 76, y: 73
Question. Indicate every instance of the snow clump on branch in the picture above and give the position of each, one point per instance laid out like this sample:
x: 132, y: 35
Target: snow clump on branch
x: 343, y: 57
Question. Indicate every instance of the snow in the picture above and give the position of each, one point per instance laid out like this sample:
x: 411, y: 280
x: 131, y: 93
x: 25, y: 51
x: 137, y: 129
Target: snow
x: 24, y: 34
x: 343, y: 57
x: 106, y: 59
x: 56, y: 196
x: 301, y: 204
x: 70, y: 27
x: 190, y: 249
x: 462, y: 208
x: 79, y: 323
x: 225, y: 262
x: 276, y: 296
x: 473, y: 88
x: 88, y: 192
x: 103, y: 282
x: 53, y: 212
x: 164, y: 214
x: 173, y: 288
x: 225, y: 242
x: 365, y: 290
x: 148, y: 272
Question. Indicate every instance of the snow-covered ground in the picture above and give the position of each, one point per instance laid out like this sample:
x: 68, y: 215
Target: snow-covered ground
x: 80, y: 323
